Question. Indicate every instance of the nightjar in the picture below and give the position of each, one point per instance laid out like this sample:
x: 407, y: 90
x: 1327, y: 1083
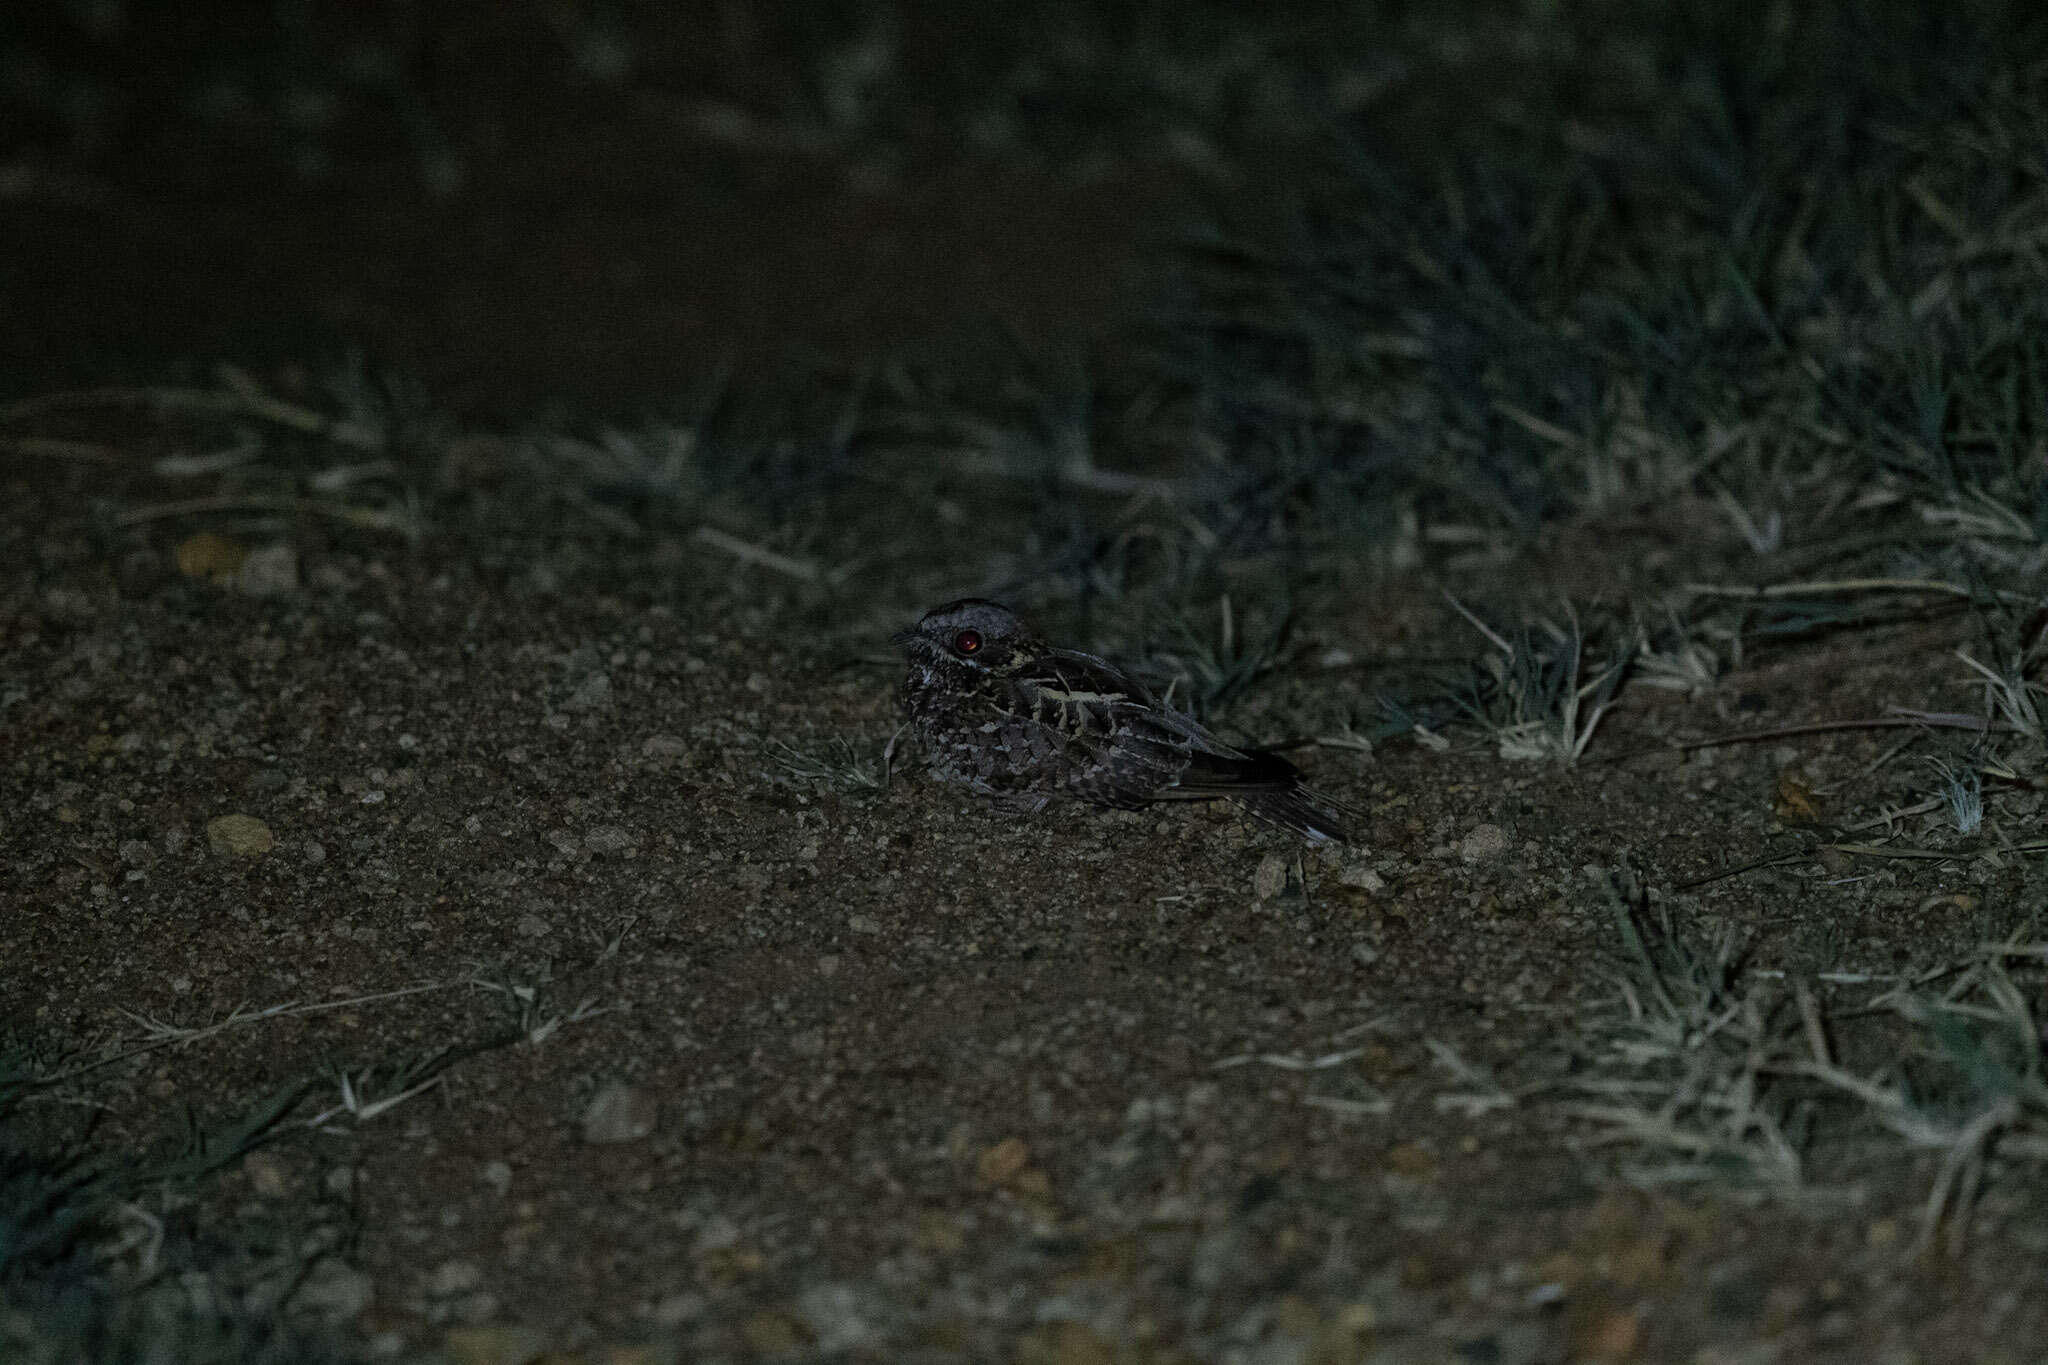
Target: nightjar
x: 1002, y: 711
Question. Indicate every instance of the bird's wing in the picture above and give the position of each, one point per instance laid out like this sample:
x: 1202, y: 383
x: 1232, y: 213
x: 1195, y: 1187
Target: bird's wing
x: 1236, y: 773
x: 1079, y: 695
x: 1097, y: 707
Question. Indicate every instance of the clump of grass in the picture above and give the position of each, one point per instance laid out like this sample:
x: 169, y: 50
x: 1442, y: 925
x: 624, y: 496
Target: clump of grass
x: 77, y: 1327
x: 763, y: 452
x: 1712, y: 269
x: 1707, y: 1068
x: 1682, y: 1070
x: 1970, y: 1084
x: 1681, y: 659
x: 74, y: 1288
x: 2012, y: 697
x: 1962, y: 796
x: 97, y: 1266
x: 1041, y: 428
x: 835, y: 765
x: 1212, y: 667
x: 366, y: 1093
x: 656, y: 462
x: 1542, y: 689
x: 263, y: 458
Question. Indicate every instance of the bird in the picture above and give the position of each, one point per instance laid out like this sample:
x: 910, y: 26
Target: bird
x: 1000, y: 710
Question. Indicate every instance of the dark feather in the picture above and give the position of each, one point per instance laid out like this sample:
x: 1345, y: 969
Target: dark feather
x: 1008, y: 715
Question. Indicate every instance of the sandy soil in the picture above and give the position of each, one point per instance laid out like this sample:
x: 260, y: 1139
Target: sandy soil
x: 692, y: 1057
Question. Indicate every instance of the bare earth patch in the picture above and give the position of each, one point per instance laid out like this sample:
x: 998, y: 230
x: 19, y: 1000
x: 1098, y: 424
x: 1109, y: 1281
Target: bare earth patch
x: 620, y: 1027
x: 462, y: 893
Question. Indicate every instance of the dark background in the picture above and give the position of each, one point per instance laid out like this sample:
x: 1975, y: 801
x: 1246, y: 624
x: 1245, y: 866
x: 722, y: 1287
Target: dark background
x: 535, y: 199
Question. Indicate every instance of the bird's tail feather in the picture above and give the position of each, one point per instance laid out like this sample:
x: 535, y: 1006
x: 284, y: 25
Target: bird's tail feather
x: 1315, y: 817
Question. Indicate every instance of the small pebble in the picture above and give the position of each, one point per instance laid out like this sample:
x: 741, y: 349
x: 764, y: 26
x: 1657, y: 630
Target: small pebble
x: 239, y: 836
x: 1483, y: 843
x: 999, y: 1164
x: 498, y: 1343
x: 1271, y: 877
x: 333, y: 1292
x: 272, y: 571
x: 618, y: 1113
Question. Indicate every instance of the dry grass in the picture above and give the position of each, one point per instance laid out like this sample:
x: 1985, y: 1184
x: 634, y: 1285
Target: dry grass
x: 1707, y: 1069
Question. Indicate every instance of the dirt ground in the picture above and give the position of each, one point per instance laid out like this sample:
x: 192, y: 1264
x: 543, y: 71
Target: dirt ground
x: 622, y: 1014
x: 803, y: 1074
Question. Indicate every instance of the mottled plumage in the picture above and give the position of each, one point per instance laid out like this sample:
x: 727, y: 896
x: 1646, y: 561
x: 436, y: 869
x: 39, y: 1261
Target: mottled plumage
x: 1002, y: 711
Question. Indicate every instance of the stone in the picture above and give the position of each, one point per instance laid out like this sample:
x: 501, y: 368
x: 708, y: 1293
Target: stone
x: 239, y: 836
x: 1483, y: 843
x: 618, y: 1113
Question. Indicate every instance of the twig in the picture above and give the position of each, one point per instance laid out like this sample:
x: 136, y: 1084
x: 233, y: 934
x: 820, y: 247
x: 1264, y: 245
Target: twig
x: 1087, y: 478
x: 369, y: 518
x: 1891, y: 815
x: 802, y: 570
x: 241, y: 402
x: 52, y: 448
x: 1900, y: 720
x: 1888, y: 851
x: 1775, y: 591
x: 1776, y: 860
x: 1823, y: 587
x: 1809, y: 1017
x: 1958, y: 1170
x: 1854, y: 850
x: 166, y: 1035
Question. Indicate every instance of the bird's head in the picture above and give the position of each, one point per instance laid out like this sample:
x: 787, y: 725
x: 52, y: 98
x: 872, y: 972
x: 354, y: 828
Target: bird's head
x: 969, y: 637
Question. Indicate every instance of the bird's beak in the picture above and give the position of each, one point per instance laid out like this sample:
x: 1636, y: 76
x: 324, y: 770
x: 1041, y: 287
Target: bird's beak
x: 903, y: 637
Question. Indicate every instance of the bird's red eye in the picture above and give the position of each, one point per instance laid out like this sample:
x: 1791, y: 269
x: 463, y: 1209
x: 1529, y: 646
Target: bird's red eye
x: 967, y: 642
